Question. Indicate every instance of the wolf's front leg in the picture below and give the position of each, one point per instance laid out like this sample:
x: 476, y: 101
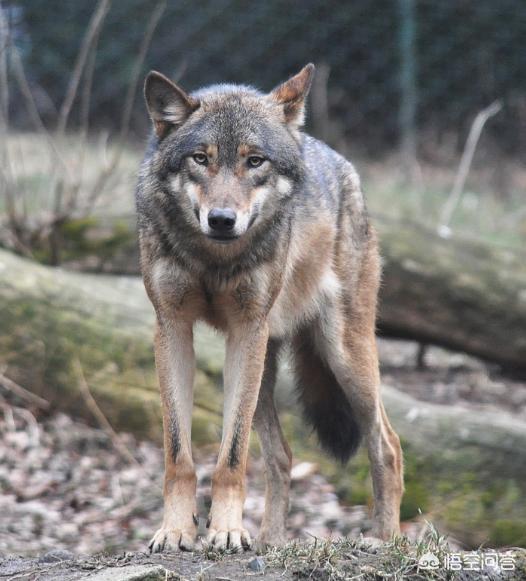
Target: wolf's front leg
x: 245, y: 356
x: 175, y: 361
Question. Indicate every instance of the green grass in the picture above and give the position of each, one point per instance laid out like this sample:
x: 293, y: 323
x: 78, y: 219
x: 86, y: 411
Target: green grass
x: 32, y: 170
x: 486, y: 211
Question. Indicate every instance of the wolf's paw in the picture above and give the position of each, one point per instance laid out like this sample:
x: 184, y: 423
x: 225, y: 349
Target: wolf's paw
x: 235, y: 540
x: 266, y: 540
x: 172, y: 540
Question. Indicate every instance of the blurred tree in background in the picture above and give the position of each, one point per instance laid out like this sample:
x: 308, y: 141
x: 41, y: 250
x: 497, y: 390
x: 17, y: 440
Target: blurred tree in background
x: 398, y: 69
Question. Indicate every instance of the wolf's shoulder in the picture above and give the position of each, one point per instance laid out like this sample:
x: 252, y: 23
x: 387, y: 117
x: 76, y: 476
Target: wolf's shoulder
x: 328, y: 168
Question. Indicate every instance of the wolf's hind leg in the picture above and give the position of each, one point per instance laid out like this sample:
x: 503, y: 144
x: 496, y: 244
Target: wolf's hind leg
x: 276, y: 454
x: 385, y: 456
x: 355, y: 364
x: 174, y: 357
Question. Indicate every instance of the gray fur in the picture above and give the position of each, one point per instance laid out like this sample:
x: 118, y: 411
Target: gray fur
x: 299, y: 265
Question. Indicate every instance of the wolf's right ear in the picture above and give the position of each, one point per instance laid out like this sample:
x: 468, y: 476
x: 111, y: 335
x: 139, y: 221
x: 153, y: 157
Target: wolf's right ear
x: 168, y: 105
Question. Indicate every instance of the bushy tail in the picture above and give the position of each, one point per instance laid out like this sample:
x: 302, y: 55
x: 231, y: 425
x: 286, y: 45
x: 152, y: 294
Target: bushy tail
x: 325, y: 405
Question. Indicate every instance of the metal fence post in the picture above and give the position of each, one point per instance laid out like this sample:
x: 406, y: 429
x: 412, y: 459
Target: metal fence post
x: 408, y: 88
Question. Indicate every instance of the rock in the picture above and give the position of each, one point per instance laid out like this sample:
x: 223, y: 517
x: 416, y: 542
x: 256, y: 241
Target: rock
x: 56, y: 555
x: 257, y: 564
x: 132, y: 573
x: 303, y: 470
x: 518, y: 397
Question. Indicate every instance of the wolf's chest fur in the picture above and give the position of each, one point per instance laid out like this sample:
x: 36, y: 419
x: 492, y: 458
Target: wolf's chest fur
x: 293, y: 309
x: 308, y: 283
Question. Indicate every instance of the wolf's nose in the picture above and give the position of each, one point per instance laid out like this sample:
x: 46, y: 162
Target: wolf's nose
x: 222, y: 219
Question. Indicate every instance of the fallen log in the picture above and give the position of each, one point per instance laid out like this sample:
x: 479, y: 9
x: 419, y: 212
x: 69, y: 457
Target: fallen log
x: 462, y: 295
x: 459, y: 294
x: 467, y: 469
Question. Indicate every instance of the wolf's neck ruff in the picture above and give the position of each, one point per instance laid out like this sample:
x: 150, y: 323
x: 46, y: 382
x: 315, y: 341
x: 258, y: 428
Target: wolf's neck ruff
x: 176, y: 240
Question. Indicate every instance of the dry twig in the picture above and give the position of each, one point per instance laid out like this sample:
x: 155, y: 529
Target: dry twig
x: 320, y: 102
x: 25, y: 89
x: 22, y: 392
x: 465, y: 164
x: 31, y: 424
x: 63, y: 201
x: 101, y: 418
x: 4, y: 86
x: 92, y: 32
x: 110, y: 168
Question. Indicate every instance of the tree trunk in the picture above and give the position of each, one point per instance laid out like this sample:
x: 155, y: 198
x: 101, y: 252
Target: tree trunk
x: 463, y: 466
x: 461, y: 295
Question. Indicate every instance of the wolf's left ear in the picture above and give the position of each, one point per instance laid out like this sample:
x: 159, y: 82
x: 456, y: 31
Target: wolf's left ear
x: 292, y: 94
x: 168, y: 105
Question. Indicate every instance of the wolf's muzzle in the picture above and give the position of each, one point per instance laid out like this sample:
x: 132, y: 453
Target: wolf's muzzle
x: 222, y: 220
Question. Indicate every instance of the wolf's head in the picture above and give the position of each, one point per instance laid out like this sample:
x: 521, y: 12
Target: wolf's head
x: 228, y: 154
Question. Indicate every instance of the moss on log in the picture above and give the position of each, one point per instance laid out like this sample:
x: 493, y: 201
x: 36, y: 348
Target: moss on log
x: 465, y: 468
x: 52, y: 319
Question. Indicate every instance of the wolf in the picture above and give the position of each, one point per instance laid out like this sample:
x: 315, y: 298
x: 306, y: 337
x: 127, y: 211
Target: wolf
x: 249, y: 224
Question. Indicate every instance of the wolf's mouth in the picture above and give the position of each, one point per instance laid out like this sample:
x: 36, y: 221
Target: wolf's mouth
x: 223, y: 239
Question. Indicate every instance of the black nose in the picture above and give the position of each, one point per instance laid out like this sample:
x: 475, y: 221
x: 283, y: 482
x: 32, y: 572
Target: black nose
x: 222, y: 219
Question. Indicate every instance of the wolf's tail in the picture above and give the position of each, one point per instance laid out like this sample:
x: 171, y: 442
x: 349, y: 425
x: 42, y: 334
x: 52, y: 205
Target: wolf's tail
x: 325, y: 405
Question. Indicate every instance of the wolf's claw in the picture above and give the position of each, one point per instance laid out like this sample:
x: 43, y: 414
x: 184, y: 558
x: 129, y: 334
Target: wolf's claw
x: 172, y: 540
x: 235, y: 540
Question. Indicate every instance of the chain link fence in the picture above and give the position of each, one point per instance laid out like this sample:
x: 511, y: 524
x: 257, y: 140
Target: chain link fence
x: 398, y: 71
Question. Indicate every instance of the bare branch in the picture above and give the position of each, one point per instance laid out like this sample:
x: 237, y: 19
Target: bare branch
x: 21, y: 392
x: 4, y: 86
x: 320, y: 102
x: 65, y: 195
x: 465, y: 164
x: 25, y: 89
x: 134, y: 83
x: 64, y: 200
x: 107, y: 172
x: 101, y: 418
x: 94, y: 27
x: 6, y: 175
x: 85, y: 100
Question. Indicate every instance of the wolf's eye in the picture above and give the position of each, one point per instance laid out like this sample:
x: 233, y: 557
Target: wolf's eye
x: 200, y: 158
x: 255, y: 161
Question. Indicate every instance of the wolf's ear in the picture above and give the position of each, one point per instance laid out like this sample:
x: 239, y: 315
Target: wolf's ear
x: 168, y: 105
x: 292, y: 94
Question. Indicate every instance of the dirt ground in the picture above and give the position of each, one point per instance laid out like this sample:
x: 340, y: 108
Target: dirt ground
x: 344, y: 559
x: 450, y: 378
x: 65, y: 567
x: 65, y: 487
